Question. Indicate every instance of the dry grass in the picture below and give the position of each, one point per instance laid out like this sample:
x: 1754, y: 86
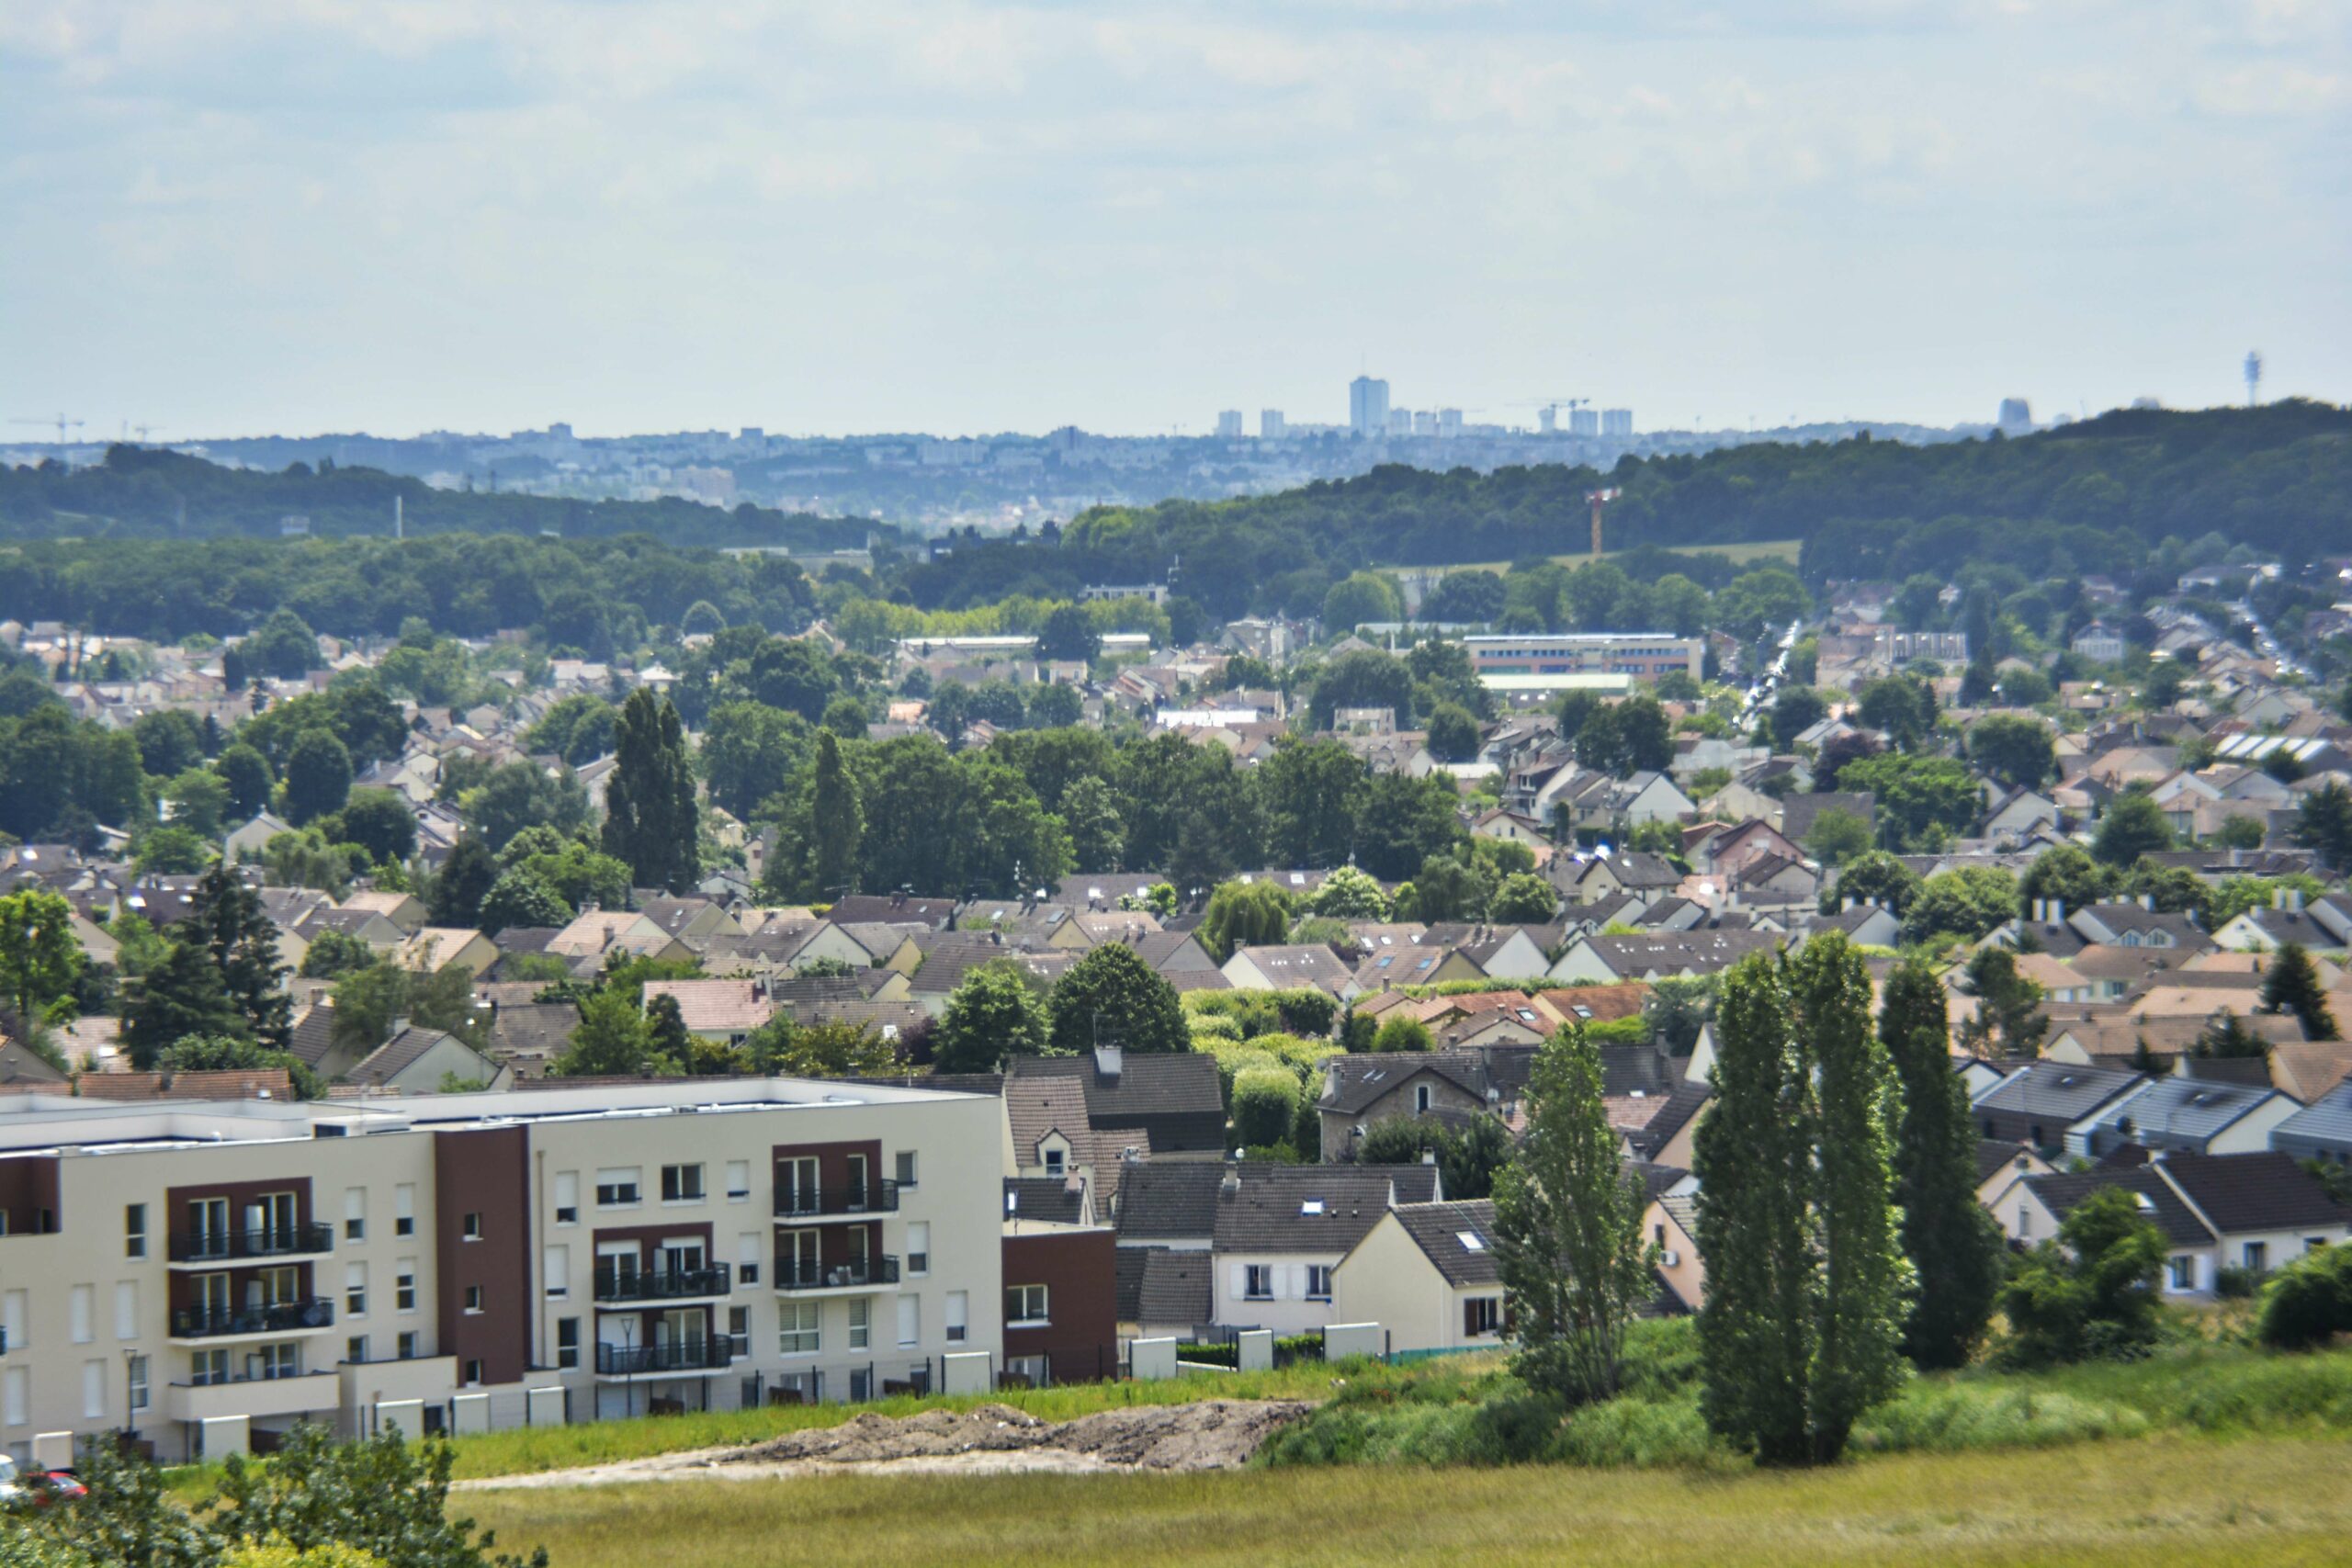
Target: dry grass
x: 2268, y: 1501
x: 1746, y: 554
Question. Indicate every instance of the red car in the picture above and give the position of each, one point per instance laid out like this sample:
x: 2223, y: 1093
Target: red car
x: 43, y: 1487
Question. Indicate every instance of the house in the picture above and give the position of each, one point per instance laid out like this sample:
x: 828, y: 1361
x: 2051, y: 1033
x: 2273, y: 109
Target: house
x: 2263, y: 1209
x: 2019, y: 813
x: 892, y: 909
x: 1501, y: 953
x: 1998, y: 1164
x: 2042, y: 1102
x: 1588, y: 879
x: 1672, y: 1222
x: 2135, y: 925
x: 405, y: 910
x: 2030, y: 1209
x: 597, y: 933
x: 2322, y: 1130
x: 383, y: 938
x: 698, y: 922
x: 1292, y: 968
x: 2188, y: 1115
x: 2272, y: 926
x: 1426, y: 1273
x: 1061, y: 1271
x: 1864, y: 925
x: 248, y: 843
x: 1361, y: 1089
x: 1665, y: 1137
x: 432, y: 949
x: 861, y: 945
x: 417, y: 1060
x: 1177, y: 1100
x: 1655, y: 956
x: 1163, y: 1290
x: 1282, y: 1229
x: 726, y: 1011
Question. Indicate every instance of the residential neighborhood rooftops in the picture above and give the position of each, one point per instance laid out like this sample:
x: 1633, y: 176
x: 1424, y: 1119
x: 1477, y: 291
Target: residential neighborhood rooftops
x: 1459, y: 1238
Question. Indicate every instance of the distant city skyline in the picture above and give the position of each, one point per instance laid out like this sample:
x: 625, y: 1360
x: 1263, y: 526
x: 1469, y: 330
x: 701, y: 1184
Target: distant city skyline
x: 954, y: 217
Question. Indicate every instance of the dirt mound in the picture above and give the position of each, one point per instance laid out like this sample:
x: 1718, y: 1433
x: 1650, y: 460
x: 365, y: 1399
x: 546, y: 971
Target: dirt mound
x: 1217, y: 1434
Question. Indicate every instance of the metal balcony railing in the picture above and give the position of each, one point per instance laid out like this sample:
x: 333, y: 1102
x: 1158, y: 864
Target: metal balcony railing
x: 269, y: 1241
x: 207, y: 1322
x: 663, y: 1285
x: 877, y: 1196
x: 797, y: 1274
x: 679, y: 1356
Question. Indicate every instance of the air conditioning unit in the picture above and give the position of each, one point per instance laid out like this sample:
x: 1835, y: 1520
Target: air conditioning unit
x: 1669, y: 1258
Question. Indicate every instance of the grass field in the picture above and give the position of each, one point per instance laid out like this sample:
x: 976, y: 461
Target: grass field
x: 2258, y: 1500
x: 1782, y: 550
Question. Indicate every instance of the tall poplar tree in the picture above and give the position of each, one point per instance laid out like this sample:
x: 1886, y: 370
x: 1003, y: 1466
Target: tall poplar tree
x: 1568, y: 1228
x: 1952, y: 1241
x: 836, y: 823
x: 651, y: 819
x: 1805, y: 1284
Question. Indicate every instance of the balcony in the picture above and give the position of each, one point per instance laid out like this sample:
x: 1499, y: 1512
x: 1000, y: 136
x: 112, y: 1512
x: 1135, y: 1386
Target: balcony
x: 708, y: 1355
x: 301, y: 1394
x: 311, y: 1316
x: 271, y: 1242
x: 865, y: 1274
x: 615, y: 1288
x: 808, y: 1205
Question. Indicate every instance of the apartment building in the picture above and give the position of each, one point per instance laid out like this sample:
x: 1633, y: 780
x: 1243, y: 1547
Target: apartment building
x: 210, y: 1274
x: 1646, y: 655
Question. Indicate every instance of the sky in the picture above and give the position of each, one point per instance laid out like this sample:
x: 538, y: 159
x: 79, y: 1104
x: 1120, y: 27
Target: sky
x: 240, y: 217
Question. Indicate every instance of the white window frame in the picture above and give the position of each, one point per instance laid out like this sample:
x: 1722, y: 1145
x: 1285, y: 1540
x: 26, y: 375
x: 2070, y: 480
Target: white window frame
x: 799, y: 1328
x: 676, y: 1180
x: 566, y: 1197
x: 958, y: 1317
x: 625, y: 1185
x: 861, y: 1323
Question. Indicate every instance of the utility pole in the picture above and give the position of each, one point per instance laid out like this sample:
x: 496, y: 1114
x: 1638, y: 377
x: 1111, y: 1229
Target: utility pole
x: 1599, y: 499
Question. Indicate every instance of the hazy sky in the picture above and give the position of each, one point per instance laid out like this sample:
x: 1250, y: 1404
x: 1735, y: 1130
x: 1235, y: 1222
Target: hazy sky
x: 237, y: 216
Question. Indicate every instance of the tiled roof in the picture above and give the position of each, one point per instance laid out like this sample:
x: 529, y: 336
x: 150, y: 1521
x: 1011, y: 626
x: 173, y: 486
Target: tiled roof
x: 1149, y: 1084
x: 2254, y: 1191
x: 1596, y: 1004
x: 2059, y: 1193
x: 1175, y: 1288
x: 715, y: 1007
x: 1356, y: 1083
x: 1043, y: 1197
x: 1993, y: 1154
x: 1458, y: 1238
x: 2057, y: 1090
x: 1313, y: 1208
x: 1674, y: 1114
x: 396, y: 1056
x: 1170, y: 1201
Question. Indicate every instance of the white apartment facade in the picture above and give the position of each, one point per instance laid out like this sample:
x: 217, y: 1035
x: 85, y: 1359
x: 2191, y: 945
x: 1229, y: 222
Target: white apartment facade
x: 207, y: 1274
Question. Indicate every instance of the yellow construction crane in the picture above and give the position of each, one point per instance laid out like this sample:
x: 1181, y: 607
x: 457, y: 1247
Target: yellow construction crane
x: 1599, y: 499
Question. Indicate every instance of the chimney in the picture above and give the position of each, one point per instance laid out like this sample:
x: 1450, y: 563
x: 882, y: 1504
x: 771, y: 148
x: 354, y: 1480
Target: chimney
x: 1107, y: 1064
x: 1228, y: 1189
x: 2148, y: 902
x: 2278, y: 898
x: 2057, y: 911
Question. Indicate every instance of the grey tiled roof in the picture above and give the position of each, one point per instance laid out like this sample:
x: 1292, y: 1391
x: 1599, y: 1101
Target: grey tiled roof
x: 1439, y: 1229
x: 1174, y: 1288
x: 2254, y: 1191
x: 2173, y: 1110
x: 2057, y: 1091
x: 2323, y: 1125
x: 1149, y: 1084
x: 1673, y: 1115
x: 1356, y: 1083
x: 1313, y: 1208
x: 2061, y: 1193
x: 1043, y: 1197
x: 1170, y: 1201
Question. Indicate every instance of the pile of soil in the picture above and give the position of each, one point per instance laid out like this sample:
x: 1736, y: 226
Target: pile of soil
x: 1217, y: 1434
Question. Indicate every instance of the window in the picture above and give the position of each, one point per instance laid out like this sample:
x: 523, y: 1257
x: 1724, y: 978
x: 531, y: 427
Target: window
x: 134, y: 1230
x: 81, y: 1305
x: 1481, y: 1315
x: 797, y: 1188
x: 566, y: 1197
x: 1024, y: 1304
x: 355, y: 1289
x: 405, y: 1285
x: 407, y: 1345
x: 909, y: 1320
x: 2184, y: 1273
x: 919, y: 1246
x: 747, y: 1247
x: 1257, y: 1283
x: 271, y: 1361
x: 796, y: 1329
x: 473, y: 1374
x: 2256, y: 1256
x: 355, y: 1214
x: 470, y: 1227
x: 356, y: 1348
x: 20, y: 1396
x: 1318, y: 1282
x: 959, y: 1306
x: 94, y: 1390
x: 558, y: 1267
x: 473, y: 1301
x: 861, y: 1324
x: 2315, y: 1243
x: 1420, y: 1097
x: 739, y: 1181
x: 618, y: 1189
x: 206, y: 1367
x: 404, y: 1209
x: 739, y: 1330
x: 567, y: 1343
x: 907, y: 1168
x: 126, y: 1309
x: 14, y: 1311
x: 1057, y: 1161
x: 682, y: 1184
x: 134, y: 1373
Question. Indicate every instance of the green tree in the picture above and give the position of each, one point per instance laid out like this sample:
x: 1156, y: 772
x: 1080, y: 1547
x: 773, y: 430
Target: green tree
x: 2133, y: 825
x: 1969, y: 901
x: 1569, y: 1239
x: 318, y: 776
x: 1402, y: 1032
x: 180, y: 994
x: 199, y: 803
x: 2324, y: 825
x: 1090, y: 813
x: 227, y: 918
x: 378, y: 821
x: 1794, y: 711
x: 462, y: 882
x: 1360, y: 597
x: 247, y: 773
x: 522, y: 899
x: 1874, y: 878
x: 334, y: 954
x: 837, y: 823
x: 1523, y: 898
x: 611, y: 1040
x: 1401, y: 821
x: 2308, y: 1301
x: 747, y: 750
x: 1111, y: 997
x: 1069, y: 635
x: 847, y: 717
x: 2092, y: 1293
x: 1364, y: 679
x: 2067, y: 875
x: 2019, y: 751
x: 669, y: 1043
x: 1453, y: 734
x: 2009, y: 1020
x: 172, y: 851
x: 516, y: 795
x: 1349, y: 893
x: 41, y: 961
x: 1311, y: 790
x: 1902, y: 707
x: 1920, y: 800
x: 2289, y: 984
x: 1951, y: 1240
x: 650, y: 817
x: 1806, y: 1284
x: 230, y: 1053
x: 1244, y: 914
x: 1265, y: 1107
x: 1838, y: 836
x: 991, y: 1016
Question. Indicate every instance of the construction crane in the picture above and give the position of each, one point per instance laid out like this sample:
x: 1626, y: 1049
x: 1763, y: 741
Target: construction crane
x: 61, y: 423
x: 1599, y: 499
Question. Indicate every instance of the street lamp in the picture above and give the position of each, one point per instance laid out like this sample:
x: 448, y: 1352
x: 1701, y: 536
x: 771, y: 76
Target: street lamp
x: 129, y: 1400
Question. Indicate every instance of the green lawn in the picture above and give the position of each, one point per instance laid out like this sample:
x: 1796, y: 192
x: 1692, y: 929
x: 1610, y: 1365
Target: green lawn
x: 2273, y: 1500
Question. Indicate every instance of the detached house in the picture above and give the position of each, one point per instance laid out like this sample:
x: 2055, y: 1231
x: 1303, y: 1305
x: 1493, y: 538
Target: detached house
x: 1426, y: 1273
x: 1281, y: 1230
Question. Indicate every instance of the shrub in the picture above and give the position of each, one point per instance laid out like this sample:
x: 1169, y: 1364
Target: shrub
x: 1513, y: 1429
x: 1639, y: 1433
x: 2308, y: 1301
x: 1265, y: 1099
x: 1402, y: 1032
x: 2235, y: 1282
x: 1211, y: 1026
x: 1953, y: 1417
